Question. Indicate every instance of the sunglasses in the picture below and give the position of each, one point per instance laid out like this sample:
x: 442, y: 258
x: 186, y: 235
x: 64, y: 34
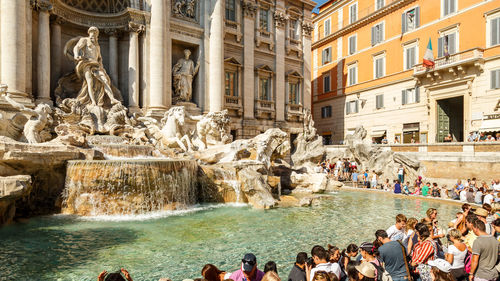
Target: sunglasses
x: 248, y: 262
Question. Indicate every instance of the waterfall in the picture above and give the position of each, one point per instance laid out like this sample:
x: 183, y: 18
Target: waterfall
x: 111, y: 187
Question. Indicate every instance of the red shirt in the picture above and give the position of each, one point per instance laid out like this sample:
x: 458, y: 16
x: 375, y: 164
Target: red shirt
x: 422, y: 252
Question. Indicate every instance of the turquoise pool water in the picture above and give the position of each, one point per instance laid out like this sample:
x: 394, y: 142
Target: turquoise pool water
x: 177, y: 245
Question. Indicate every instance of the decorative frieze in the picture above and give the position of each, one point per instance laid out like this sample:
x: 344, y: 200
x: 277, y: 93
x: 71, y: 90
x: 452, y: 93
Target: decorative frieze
x: 280, y: 18
x: 136, y: 27
x: 249, y: 8
x: 41, y: 5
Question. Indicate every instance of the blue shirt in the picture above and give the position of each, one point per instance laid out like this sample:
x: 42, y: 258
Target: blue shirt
x: 355, y: 176
x: 397, y: 188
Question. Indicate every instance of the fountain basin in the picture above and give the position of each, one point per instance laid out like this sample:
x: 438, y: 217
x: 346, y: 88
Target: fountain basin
x: 119, y: 187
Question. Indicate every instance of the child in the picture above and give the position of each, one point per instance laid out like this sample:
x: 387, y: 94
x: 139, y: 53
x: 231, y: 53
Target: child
x: 355, y: 178
x: 406, y: 189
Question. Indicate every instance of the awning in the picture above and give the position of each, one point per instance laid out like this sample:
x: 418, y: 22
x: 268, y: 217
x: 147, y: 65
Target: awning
x: 490, y: 125
x: 350, y: 131
x: 411, y: 127
x: 377, y: 134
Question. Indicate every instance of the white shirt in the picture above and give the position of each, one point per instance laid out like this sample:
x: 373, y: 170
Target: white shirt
x: 488, y: 199
x: 458, y: 256
x: 374, y: 177
x: 328, y: 267
x: 401, y: 171
x: 496, y: 186
x: 338, y: 165
x: 395, y: 234
x: 463, y: 196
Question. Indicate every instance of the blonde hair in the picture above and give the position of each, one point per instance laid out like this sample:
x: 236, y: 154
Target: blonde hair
x: 271, y: 276
x: 410, y: 224
x: 456, y: 234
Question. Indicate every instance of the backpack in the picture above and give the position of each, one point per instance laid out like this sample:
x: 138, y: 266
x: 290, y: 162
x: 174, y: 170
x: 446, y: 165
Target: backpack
x: 467, y: 262
x: 382, y: 274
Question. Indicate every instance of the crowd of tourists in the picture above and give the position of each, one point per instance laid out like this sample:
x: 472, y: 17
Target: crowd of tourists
x: 409, y: 250
x: 470, y: 190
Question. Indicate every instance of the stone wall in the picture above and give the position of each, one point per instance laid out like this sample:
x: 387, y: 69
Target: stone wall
x: 447, y: 162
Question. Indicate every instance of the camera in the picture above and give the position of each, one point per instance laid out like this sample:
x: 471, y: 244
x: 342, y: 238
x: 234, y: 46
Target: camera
x: 310, y: 261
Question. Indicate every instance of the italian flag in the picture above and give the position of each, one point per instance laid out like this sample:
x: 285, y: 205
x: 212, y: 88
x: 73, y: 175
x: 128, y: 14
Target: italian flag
x: 428, y: 56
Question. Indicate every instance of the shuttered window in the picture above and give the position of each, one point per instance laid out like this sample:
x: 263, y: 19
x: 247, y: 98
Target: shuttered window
x: 352, y: 44
x: 326, y: 111
x: 352, y: 107
x: 264, y: 19
x: 326, y: 83
x: 495, y: 79
x: 495, y: 31
x: 379, y: 101
x: 379, y: 4
x: 327, y: 55
x: 327, y: 27
x: 353, y: 13
x: 410, y: 20
x: 409, y: 96
x: 449, y: 7
x: 379, y: 67
x: 447, y: 45
x: 410, y: 57
x: 377, y: 33
x: 352, y: 73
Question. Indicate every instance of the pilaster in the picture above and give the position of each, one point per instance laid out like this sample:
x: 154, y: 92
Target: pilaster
x: 133, y: 65
x: 43, y: 59
x: 216, y: 56
x: 307, y: 29
x: 249, y: 11
x: 56, y: 52
x: 113, y: 54
x: 280, y: 20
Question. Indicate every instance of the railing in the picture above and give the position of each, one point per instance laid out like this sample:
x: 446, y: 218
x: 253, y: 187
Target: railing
x: 232, y: 24
x: 294, y: 108
x: 452, y: 60
x: 265, y: 104
x: 232, y: 101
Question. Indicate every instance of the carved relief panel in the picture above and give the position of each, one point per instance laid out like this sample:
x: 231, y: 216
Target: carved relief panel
x: 186, y: 10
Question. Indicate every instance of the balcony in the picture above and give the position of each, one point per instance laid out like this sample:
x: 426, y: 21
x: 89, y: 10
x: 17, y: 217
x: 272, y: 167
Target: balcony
x: 265, y: 109
x: 233, y: 105
x: 456, y: 64
x: 294, y: 112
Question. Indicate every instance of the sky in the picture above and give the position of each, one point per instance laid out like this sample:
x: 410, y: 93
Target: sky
x: 319, y: 4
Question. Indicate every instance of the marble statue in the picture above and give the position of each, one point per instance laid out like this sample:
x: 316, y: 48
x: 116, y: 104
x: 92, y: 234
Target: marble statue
x: 214, y: 128
x: 39, y: 118
x: 170, y: 132
x: 183, y: 72
x: 309, y: 130
x: 96, y: 86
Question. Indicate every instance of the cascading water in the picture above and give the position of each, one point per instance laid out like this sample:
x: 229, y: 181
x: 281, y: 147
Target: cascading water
x: 111, y: 187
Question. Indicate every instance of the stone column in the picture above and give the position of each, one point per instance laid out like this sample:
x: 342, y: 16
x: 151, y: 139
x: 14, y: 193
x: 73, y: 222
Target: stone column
x: 307, y: 29
x: 13, y: 45
x: 113, y: 55
x: 133, y: 66
x: 280, y: 20
x: 159, y: 57
x: 56, y: 52
x: 43, y: 60
x: 216, y: 56
x: 249, y: 11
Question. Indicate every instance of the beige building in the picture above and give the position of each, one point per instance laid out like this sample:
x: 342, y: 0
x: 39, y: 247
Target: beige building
x: 367, y: 69
x: 254, y: 56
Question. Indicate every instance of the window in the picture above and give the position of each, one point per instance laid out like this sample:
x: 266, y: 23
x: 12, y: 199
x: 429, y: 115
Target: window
x: 352, y: 44
x: 409, y: 96
x: 410, y: 20
x: 231, y: 10
x: 327, y: 55
x: 326, y: 111
x: 326, y: 83
x: 293, y: 93
x: 447, y: 45
x: 379, y: 101
x: 410, y: 56
x: 264, y: 19
x: 352, y: 73
x: 377, y: 33
x: 327, y: 139
x: 265, y: 87
x: 495, y: 79
x: 294, y: 25
x: 448, y: 7
x: 494, y: 26
x: 352, y: 107
x: 327, y: 27
x: 231, y: 84
x: 378, y: 66
x: 353, y: 13
x: 379, y: 4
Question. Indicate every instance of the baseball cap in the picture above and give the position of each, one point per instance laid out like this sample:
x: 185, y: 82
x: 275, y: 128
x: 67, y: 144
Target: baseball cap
x: 367, y: 246
x: 248, y: 262
x: 440, y: 264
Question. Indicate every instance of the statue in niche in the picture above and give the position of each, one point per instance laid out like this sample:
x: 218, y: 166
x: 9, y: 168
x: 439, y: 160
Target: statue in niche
x: 96, y: 86
x: 184, y: 71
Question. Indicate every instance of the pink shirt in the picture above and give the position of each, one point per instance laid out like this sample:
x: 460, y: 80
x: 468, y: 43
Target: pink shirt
x: 238, y: 276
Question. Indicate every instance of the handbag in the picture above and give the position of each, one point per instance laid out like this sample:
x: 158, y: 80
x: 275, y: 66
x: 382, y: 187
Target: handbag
x: 406, y: 260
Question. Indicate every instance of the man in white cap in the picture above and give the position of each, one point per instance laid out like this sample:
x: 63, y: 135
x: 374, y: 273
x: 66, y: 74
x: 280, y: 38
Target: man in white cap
x: 441, y: 264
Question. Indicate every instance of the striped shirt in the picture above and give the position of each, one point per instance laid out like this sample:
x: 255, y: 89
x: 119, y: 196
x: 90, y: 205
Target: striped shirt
x: 423, y: 252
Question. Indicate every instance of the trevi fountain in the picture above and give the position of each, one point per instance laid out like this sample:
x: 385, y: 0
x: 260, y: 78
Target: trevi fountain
x: 88, y: 183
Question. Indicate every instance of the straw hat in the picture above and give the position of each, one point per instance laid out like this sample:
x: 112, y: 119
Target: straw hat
x: 367, y: 269
x: 481, y: 212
